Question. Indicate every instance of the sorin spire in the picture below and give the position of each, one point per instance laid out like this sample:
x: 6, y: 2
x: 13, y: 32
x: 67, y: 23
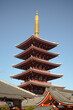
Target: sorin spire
x: 36, y: 25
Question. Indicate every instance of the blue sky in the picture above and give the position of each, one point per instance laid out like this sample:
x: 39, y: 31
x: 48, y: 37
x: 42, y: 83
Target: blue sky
x: 17, y: 19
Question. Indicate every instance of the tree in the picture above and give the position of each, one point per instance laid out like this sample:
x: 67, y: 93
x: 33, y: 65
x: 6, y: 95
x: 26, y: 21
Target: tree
x: 4, y: 107
x: 30, y: 108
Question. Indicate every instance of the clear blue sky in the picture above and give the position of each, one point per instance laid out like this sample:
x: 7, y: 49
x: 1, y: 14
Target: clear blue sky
x: 56, y: 25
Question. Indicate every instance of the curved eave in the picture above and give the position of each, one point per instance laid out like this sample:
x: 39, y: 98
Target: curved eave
x: 62, y: 96
x: 39, y: 83
x: 35, y: 60
x: 41, y: 72
x: 48, y: 44
x: 30, y: 50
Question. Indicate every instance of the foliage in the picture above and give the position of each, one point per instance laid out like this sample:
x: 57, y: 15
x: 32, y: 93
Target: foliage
x: 30, y: 108
x: 4, y: 107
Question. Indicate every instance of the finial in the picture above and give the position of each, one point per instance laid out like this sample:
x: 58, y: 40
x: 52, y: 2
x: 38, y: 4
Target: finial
x: 36, y: 25
x: 36, y: 12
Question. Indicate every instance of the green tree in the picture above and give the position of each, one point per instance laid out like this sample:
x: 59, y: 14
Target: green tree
x: 30, y: 108
x: 4, y: 107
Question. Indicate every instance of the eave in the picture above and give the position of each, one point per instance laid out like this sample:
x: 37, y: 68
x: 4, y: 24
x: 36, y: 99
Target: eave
x: 22, y: 76
x: 28, y: 52
x: 38, y: 83
x: 47, y: 45
x: 32, y: 61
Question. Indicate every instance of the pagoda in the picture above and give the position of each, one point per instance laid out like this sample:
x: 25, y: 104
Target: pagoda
x: 36, y: 63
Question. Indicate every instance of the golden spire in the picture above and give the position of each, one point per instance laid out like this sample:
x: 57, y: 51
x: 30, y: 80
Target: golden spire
x: 36, y: 25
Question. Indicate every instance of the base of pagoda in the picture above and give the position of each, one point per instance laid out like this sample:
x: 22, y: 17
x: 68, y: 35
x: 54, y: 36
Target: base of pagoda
x: 35, y: 89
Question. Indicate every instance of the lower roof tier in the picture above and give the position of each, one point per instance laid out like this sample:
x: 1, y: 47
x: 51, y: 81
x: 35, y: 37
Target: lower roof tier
x: 37, y: 52
x: 36, y: 42
x: 36, y: 74
x: 39, y: 83
x: 36, y: 63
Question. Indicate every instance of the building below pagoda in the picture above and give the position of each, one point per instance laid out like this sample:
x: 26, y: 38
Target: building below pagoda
x: 36, y: 64
x: 54, y: 99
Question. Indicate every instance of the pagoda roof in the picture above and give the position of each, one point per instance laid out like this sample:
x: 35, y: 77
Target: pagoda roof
x: 24, y: 55
x: 38, y: 83
x: 32, y: 61
x: 23, y: 75
x: 35, y: 40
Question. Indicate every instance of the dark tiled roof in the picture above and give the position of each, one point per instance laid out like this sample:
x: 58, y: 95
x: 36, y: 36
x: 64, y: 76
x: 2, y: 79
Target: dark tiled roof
x: 11, y: 91
x: 24, y: 54
x: 24, y: 45
x: 37, y: 71
x: 44, y: 108
x: 62, y: 95
x: 27, y: 63
x: 34, y: 101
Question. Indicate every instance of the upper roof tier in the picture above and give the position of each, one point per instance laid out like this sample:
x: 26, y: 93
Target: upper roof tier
x: 37, y: 52
x: 36, y: 63
x: 33, y: 72
x: 38, y: 42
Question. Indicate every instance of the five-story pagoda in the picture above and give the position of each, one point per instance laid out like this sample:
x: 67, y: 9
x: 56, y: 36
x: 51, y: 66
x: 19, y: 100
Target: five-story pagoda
x: 36, y: 63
